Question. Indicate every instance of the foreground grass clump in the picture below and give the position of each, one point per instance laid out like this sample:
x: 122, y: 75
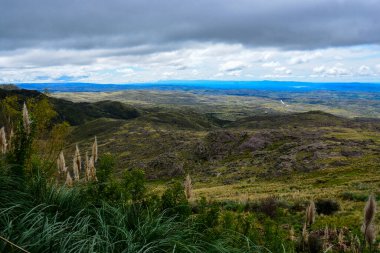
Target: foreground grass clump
x: 56, y: 219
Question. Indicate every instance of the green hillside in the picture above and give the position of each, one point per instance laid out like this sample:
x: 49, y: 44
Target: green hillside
x: 265, y: 167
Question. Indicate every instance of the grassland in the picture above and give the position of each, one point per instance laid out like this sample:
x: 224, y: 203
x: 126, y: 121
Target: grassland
x: 241, y: 150
x: 297, y: 157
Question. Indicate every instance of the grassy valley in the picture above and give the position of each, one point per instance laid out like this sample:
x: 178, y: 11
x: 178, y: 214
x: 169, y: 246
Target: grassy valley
x: 232, y: 104
x: 251, y: 159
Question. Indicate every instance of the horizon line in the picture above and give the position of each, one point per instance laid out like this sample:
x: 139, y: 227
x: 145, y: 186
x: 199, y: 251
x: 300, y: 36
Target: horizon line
x: 200, y: 80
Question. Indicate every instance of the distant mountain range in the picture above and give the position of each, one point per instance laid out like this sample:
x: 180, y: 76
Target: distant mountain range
x: 205, y: 85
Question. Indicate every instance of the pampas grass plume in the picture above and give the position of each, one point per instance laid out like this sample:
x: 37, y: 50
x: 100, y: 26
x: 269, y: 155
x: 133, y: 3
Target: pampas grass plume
x: 78, y: 158
x: 25, y: 119
x: 310, y: 213
x: 61, y: 164
x: 92, y: 169
x: 305, y: 233
x: 188, y: 187
x: 87, y: 168
x: 69, y: 180
x: 368, y: 228
x: 3, y: 141
x: 95, y: 150
x: 370, y: 234
x: 369, y: 210
x: 75, y: 169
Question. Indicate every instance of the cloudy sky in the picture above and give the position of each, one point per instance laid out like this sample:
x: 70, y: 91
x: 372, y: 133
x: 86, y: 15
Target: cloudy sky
x: 125, y: 41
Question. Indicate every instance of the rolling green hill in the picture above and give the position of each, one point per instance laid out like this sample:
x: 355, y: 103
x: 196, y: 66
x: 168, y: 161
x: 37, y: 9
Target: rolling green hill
x: 170, y: 141
x: 77, y: 113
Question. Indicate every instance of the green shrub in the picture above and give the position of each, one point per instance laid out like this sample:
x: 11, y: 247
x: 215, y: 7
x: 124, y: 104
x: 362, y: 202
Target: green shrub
x: 133, y: 184
x: 327, y: 206
x: 210, y: 218
x: 105, y: 167
x: 174, y: 201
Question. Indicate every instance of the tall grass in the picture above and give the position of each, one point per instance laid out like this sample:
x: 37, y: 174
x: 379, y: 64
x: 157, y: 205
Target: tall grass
x: 44, y: 217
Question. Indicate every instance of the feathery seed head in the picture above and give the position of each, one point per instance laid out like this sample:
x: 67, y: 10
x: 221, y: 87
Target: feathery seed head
x: 368, y: 228
x: 25, y: 119
x: 305, y: 233
x: 69, y: 180
x: 369, y: 210
x: 87, y: 168
x: 61, y: 164
x: 370, y: 234
x: 95, y: 150
x: 75, y: 169
x: 3, y: 141
x: 92, y: 169
x: 310, y: 213
x: 188, y: 187
x: 78, y: 158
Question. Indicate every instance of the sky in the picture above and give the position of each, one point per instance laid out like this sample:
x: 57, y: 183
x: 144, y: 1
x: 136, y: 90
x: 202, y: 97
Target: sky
x: 129, y: 41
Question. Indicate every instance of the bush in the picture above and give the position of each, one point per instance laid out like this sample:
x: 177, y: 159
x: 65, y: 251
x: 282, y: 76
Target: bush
x: 106, y: 188
x: 105, y: 167
x: 209, y: 217
x: 174, y: 201
x: 269, y: 206
x: 327, y: 206
x: 134, y: 185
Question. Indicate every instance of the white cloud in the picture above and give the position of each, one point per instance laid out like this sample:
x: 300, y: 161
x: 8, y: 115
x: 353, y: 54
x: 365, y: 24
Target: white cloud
x: 304, y: 58
x: 283, y: 70
x: 271, y: 64
x: 336, y: 70
x: 365, y: 70
x: 319, y: 69
x: 378, y: 68
x: 233, y: 66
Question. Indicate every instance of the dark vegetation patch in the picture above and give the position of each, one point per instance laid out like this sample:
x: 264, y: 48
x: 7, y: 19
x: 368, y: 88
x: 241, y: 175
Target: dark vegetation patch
x: 96, y: 128
x: 327, y: 206
x: 296, y: 120
x: 77, y: 113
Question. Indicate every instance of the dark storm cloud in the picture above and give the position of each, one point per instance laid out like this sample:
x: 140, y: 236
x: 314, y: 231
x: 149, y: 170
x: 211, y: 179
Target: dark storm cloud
x: 145, y: 24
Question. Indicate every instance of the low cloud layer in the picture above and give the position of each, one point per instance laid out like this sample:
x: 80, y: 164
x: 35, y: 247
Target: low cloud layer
x: 202, y: 61
x: 142, y: 40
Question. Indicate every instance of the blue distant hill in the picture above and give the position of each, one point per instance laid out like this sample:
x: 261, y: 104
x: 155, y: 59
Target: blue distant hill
x: 206, y: 85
